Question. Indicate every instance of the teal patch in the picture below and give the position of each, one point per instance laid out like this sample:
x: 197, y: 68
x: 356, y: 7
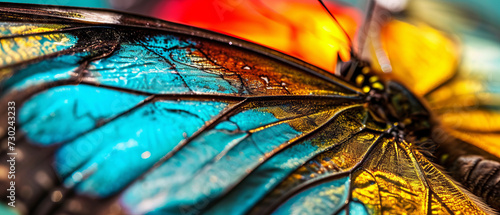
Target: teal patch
x: 64, y: 112
x: 51, y: 70
x: 162, y: 64
x: 325, y: 198
x: 103, y: 161
x: 205, y: 168
x: 356, y: 208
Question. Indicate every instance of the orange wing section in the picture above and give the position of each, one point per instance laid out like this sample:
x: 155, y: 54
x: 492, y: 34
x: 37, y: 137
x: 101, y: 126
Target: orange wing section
x: 302, y: 29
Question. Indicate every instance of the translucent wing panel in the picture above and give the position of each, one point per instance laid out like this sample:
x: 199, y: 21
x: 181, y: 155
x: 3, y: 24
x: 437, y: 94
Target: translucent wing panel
x: 448, y: 194
x: 392, y: 178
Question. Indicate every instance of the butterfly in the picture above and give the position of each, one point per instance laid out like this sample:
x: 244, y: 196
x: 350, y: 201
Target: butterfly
x: 122, y: 114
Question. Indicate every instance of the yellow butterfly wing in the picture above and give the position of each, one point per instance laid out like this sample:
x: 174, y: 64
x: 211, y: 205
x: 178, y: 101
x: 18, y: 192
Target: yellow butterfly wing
x: 450, y: 59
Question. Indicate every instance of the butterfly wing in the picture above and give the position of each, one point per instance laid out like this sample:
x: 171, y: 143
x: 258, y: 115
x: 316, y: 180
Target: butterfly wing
x: 455, y: 65
x: 475, y: 85
x: 125, y: 114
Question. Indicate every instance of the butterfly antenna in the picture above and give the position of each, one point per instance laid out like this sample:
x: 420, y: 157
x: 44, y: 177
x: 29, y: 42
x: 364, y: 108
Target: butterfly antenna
x: 338, y: 23
x: 366, y: 25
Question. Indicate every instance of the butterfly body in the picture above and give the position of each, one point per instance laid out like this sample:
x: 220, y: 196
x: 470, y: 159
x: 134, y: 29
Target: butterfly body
x: 145, y: 116
x: 410, y: 120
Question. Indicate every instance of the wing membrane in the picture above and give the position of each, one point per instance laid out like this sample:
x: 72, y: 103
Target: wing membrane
x: 173, y: 122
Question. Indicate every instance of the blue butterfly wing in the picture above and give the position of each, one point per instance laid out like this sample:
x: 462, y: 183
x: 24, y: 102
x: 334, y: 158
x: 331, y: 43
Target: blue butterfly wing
x: 115, y: 117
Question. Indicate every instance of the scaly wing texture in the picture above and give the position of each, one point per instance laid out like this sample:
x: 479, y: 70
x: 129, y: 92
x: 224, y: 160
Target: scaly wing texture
x: 114, y: 118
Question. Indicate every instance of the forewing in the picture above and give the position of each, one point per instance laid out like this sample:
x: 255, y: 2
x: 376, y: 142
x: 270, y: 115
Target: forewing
x: 120, y: 118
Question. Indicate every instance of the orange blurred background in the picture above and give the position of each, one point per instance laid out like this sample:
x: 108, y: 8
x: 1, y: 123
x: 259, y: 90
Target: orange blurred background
x: 300, y: 28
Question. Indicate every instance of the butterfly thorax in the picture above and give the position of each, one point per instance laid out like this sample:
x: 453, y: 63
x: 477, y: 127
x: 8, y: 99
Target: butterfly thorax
x: 389, y: 102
